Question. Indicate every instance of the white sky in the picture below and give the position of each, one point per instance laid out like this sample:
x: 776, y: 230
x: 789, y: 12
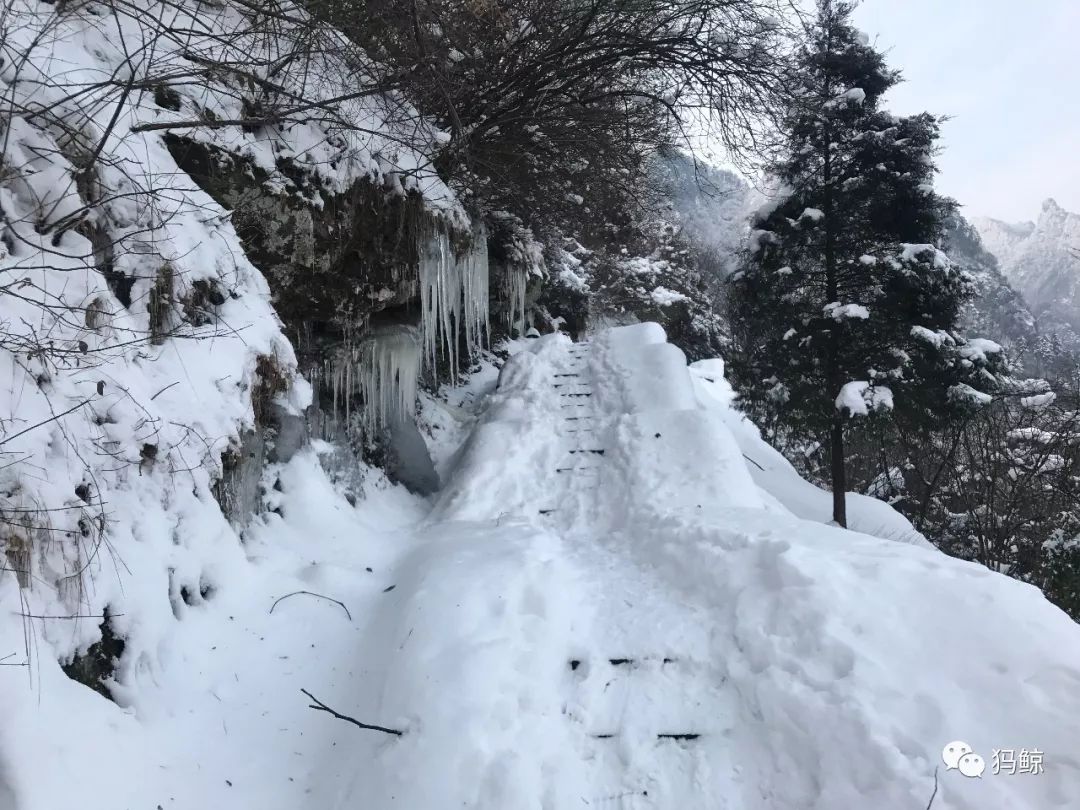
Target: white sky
x: 1008, y: 72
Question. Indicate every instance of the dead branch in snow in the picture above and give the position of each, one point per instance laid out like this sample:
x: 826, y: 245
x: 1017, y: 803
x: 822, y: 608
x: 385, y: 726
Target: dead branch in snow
x: 318, y: 705
x: 311, y: 593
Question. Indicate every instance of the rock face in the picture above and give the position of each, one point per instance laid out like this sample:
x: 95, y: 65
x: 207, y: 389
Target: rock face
x: 998, y: 310
x: 332, y: 259
x: 341, y: 264
x: 1042, y: 260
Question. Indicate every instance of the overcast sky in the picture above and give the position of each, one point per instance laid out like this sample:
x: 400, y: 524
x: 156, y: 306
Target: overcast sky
x: 1008, y: 72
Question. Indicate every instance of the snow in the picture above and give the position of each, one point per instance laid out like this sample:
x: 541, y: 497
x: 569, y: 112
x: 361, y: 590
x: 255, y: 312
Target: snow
x: 759, y: 238
x: 856, y: 95
x: 859, y: 398
x: 1038, y: 400
x: 972, y: 396
x: 839, y: 312
x: 665, y: 297
x: 936, y: 338
x: 780, y: 482
x: 977, y: 349
x: 133, y: 407
x: 822, y: 668
x: 912, y: 252
x: 1032, y: 434
x: 787, y: 641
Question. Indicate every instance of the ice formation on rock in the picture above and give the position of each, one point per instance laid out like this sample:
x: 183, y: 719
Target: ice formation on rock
x: 515, y: 282
x: 383, y: 368
x: 453, y: 296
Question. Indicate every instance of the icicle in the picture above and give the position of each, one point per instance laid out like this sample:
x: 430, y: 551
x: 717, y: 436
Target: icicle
x: 515, y: 281
x: 388, y: 370
x: 383, y: 370
x: 475, y: 290
x: 453, y: 297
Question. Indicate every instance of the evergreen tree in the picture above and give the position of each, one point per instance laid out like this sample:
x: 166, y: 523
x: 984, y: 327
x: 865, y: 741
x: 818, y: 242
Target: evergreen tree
x: 845, y: 306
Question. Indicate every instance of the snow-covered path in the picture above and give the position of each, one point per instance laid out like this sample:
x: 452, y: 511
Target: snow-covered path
x: 609, y: 611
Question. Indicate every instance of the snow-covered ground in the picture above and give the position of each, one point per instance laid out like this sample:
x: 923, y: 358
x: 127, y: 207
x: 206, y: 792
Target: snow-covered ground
x: 621, y: 597
x: 661, y: 624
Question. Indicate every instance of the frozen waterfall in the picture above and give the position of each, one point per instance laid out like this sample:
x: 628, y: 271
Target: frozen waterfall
x: 383, y: 369
x: 515, y: 281
x: 453, y: 297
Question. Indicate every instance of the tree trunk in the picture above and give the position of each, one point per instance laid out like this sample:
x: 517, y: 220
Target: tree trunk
x: 839, y: 473
x: 832, y: 362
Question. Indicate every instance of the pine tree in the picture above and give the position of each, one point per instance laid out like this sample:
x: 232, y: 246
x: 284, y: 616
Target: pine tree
x: 845, y: 306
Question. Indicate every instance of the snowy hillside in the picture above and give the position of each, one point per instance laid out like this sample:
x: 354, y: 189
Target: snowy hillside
x: 1042, y: 260
x: 634, y: 608
x: 712, y: 204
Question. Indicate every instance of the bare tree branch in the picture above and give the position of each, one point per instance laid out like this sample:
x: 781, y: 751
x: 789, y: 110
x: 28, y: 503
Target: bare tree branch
x: 318, y: 705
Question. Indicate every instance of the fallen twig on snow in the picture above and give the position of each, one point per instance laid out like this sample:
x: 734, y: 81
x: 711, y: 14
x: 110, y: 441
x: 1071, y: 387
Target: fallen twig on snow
x: 318, y: 705
x: 753, y: 462
x: 311, y: 593
x: 934, y: 794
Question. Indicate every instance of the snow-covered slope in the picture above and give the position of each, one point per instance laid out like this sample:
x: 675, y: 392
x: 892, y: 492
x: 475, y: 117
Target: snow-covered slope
x: 138, y: 343
x: 620, y: 599
x: 1042, y: 260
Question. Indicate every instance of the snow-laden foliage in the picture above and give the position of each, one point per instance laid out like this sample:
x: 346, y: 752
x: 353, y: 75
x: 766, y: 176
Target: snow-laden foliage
x: 1007, y: 494
x: 844, y: 290
x: 555, y: 109
x: 138, y: 346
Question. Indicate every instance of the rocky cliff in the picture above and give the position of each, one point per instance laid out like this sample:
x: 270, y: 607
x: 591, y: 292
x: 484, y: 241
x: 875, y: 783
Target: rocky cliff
x: 1042, y: 260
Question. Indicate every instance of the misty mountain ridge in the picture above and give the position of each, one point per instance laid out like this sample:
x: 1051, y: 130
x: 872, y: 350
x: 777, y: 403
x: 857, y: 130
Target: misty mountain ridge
x: 1041, y: 259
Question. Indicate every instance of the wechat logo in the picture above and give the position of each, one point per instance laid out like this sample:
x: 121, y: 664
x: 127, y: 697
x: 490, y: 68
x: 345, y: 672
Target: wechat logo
x: 959, y: 756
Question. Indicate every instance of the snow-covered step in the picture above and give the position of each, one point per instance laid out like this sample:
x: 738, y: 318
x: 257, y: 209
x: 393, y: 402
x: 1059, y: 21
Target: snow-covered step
x: 661, y: 697
x: 575, y: 663
x: 586, y: 469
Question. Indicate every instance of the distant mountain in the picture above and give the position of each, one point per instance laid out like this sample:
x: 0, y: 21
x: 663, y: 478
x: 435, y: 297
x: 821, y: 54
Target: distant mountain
x: 711, y: 204
x: 1042, y: 260
x: 998, y: 311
